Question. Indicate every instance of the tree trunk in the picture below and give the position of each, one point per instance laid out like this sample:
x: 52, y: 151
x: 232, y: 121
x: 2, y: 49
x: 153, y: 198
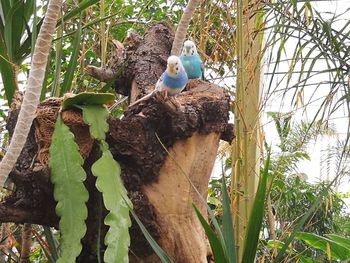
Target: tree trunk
x: 26, y: 243
x: 166, y: 148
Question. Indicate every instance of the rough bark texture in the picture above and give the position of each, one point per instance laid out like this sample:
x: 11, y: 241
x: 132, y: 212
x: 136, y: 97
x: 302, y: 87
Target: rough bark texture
x: 160, y: 144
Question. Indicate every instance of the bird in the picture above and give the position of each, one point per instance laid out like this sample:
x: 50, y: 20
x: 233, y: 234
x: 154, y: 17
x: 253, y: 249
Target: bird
x: 191, y: 61
x: 174, y: 78
x: 172, y: 81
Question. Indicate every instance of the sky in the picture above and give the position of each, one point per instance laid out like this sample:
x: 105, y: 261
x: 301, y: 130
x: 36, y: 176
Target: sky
x: 320, y: 151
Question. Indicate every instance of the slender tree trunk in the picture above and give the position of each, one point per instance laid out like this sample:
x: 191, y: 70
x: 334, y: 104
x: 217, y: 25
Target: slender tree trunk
x: 33, y: 89
x: 26, y: 243
x: 181, y: 30
x: 245, y: 162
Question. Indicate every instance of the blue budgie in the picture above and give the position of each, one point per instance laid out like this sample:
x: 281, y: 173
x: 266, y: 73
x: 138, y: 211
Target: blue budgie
x: 192, y: 61
x: 174, y: 78
x: 172, y: 81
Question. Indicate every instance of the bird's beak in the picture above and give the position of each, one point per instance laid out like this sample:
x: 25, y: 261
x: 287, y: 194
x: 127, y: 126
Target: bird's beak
x: 171, y: 69
x: 188, y: 49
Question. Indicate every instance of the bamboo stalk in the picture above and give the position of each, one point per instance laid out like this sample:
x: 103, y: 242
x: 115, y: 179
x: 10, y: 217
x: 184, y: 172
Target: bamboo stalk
x: 245, y: 156
x: 237, y: 152
x: 103, y: 34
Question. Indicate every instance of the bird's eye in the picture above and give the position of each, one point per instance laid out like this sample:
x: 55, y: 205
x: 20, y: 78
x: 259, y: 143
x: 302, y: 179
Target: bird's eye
x: 177, y: 68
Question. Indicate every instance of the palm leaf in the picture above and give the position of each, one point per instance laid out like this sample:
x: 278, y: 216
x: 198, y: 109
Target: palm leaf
x: 227, y: 225
x: 215, y: 243
x: 7, y: 72
x: 78, y: 9
x: 69, y: 74
x: 256, y: 217
x: 156, y: 248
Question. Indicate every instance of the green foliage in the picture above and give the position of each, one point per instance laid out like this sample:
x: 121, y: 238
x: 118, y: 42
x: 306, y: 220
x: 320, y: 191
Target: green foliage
x: 7, y: 72
x: 68, y: 79
x: 14, y: 28
x: 215, y: 244
x: 52, y: 243
x: 224, y: 249
x: 95, y: 116
x: 156, y: 248
x: 293, y: 196
x: 69, y: 189
x: 15, y: 39
x: 338, y: 250
x: 256, y: 216
x: 83, y: 5
x: 87, y: 98
x: 276, y: 244
x: 116, y: 201
x: 343, y: 241
x: 227, y: 225
x: 67, y: 175
x: 320, y: 49
x: 109, y: 183
x: 298, y: 205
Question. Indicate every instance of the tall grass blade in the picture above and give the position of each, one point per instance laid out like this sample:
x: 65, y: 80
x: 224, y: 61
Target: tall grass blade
x: 256, y: 217
x: 57, y: 75
x: 44, y: 247
x: 9, y: 29
x: 52, y: 242
x: 156, y: 248
x: 78, y: 9
x: 215, y: 244
x: 69, y: 75
x: 7, y: 72
x: 227, y: 225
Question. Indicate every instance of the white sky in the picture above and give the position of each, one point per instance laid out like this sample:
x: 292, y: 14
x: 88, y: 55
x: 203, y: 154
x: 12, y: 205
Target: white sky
x: 316, y: 169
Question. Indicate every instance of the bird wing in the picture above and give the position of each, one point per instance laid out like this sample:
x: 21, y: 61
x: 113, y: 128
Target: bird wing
x: 160, y: 80
x: 202, y: 69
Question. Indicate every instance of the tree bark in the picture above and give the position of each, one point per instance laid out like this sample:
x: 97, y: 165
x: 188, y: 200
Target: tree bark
x: 26, y: 243
x: 166, y: 148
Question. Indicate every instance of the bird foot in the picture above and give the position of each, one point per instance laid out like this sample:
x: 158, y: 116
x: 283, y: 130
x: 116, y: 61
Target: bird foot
x: 164, y: 94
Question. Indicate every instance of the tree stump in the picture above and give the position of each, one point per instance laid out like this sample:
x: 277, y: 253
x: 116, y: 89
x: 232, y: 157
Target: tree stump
x: 166, y: 148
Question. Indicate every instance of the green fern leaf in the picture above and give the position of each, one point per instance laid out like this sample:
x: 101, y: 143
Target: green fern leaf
x: 116, y: 201
x: 67, y: 175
